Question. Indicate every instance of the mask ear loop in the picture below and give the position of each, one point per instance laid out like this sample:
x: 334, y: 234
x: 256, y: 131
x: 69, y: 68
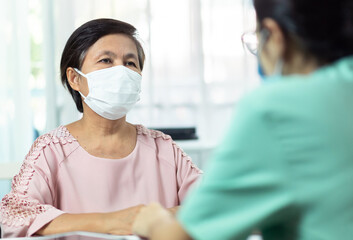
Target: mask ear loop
x: 81, y: 73
x: 84, y: 75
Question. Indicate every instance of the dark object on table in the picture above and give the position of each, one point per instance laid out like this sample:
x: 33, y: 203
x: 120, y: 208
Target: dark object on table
x: 180, y: 133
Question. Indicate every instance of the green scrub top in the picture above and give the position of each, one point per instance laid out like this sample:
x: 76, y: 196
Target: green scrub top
x: 285, y: 166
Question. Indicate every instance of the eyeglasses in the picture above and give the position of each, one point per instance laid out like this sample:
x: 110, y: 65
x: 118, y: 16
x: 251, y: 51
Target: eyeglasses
x: 250, y: 42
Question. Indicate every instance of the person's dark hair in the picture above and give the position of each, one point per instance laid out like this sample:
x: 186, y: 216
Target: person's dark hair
x: 83, y: 38
x: 322, y: 28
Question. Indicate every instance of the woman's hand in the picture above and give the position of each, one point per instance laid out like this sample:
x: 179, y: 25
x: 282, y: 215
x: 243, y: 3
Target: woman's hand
x: 173, y: 210
x: 150, y: 217
x: 120, y: 222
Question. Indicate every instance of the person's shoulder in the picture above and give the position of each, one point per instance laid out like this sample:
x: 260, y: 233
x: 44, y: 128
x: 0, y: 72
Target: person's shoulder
x: 152, y: 137
x: 60, y: 140
x: 168, y: 149
x: 284, y: 93
x: 58, y: 135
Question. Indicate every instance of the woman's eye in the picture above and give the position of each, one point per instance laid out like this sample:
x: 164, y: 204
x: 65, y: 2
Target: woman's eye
x: 131, y: 64
x: 106, y: 60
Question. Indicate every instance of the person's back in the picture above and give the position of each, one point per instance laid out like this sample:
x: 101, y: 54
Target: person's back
x: 311, y: 123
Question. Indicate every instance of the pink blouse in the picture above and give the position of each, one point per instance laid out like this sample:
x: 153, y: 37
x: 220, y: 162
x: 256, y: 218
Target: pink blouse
x: 58, y: 176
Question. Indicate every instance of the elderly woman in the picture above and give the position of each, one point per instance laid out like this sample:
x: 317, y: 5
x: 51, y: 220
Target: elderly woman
x: 286, y: 164
x: 94, y: 174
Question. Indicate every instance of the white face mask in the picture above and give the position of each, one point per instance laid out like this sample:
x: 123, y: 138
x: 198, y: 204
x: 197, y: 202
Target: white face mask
x: 112, y: 91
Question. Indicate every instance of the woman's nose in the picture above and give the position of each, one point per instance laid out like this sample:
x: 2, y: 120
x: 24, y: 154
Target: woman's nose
x: 118, y: 62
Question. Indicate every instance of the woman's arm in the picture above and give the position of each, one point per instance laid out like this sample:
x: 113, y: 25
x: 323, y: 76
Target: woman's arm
x: 29, y: 205
x: 118, y: 223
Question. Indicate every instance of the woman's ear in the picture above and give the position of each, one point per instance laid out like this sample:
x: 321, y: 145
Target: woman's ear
x: 275, y: 45
x: 73, y: 78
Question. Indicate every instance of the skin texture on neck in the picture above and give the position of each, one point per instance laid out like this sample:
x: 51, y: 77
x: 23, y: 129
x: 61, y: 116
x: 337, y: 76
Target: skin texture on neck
x: 111, y: 139
x: 101, y: 127
x: 300, y: 63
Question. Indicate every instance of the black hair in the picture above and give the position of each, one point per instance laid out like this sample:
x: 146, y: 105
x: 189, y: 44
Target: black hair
x: 83, y: 38
x: 324, y: 28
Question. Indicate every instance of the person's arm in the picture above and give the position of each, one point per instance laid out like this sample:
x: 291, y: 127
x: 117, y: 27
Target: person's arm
x: 118, y: 223
x: 247, y: 183
x: 29, y: 205
x: 29, y: 209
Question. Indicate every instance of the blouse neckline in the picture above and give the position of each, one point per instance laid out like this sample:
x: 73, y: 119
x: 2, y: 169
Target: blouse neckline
x: 131, y: 154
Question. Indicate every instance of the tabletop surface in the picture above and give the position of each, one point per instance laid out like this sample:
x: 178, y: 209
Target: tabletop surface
x: 81, y: 236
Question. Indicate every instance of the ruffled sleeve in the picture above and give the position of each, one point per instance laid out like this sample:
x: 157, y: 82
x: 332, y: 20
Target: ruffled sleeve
x: 187, y: 172
x: 30, y: 204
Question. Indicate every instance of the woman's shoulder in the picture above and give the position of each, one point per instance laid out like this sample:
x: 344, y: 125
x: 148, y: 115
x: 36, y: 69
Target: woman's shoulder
x: 58, y: 135
x: 151, y: 134
x: 155, y: 139
x: 167, y: 148
x: 59, y: 139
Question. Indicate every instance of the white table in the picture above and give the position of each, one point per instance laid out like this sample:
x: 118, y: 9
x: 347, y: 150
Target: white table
x: 79, y: 236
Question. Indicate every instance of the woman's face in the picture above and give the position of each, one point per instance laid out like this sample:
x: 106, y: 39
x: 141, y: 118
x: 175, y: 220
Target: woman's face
x: 109, y: 51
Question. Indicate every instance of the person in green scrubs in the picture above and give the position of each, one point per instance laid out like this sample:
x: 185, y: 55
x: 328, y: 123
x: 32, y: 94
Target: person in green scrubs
x: 285, y: 167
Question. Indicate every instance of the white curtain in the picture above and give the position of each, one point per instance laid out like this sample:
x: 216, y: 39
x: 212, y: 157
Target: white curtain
x: 16, y: 131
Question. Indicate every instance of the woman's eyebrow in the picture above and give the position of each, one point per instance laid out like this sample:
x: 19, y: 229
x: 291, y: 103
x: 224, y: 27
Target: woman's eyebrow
x: 130, y: 55
x: 106, y: 52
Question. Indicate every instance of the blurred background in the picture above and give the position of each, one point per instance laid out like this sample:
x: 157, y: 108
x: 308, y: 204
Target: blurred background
x: 195, y: 72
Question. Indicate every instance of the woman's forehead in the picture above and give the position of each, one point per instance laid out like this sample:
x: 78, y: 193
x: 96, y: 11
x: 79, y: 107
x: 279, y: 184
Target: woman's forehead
x: 113, y: 44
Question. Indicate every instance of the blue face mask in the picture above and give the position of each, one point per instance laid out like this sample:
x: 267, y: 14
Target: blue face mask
x: 260, y: 70
x: 277, y: 73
